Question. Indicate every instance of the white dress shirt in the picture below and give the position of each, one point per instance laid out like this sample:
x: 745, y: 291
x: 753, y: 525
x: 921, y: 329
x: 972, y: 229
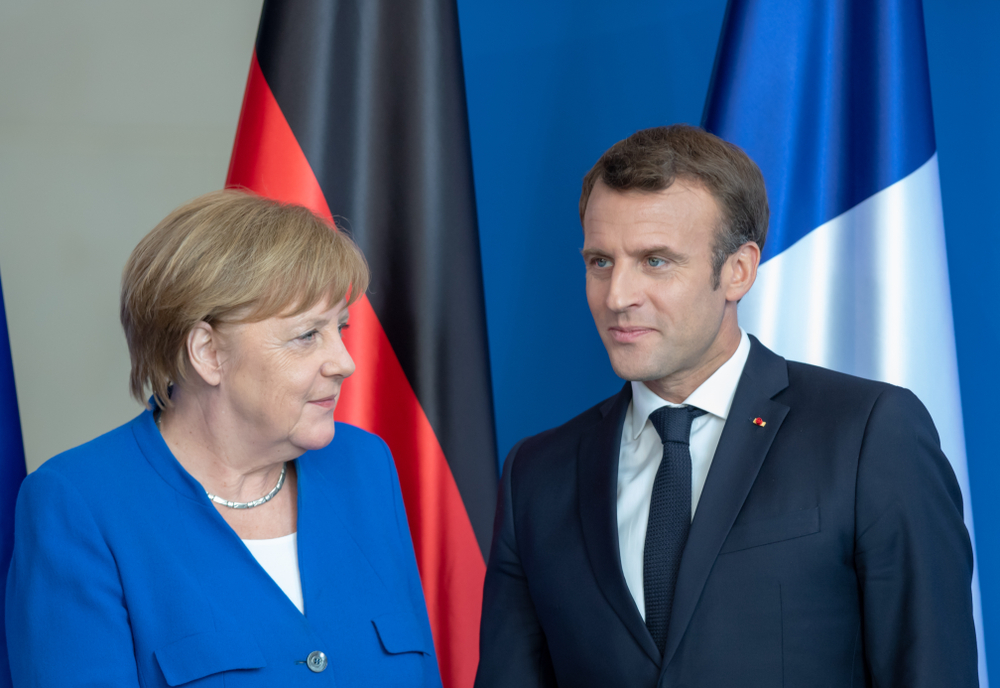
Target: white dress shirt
x: 642, y: 450
x: 280, y: 558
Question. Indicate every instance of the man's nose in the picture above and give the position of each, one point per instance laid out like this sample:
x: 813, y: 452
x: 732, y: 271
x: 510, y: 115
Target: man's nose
x: 624, y: 290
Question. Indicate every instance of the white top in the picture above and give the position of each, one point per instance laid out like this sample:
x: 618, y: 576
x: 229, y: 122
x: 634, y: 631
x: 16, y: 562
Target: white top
x: 642, y: 450
x: 280, y: 558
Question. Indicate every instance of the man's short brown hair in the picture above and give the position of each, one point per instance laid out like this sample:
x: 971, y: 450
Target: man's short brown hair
x: 651, y: 159
x: 228, y: 256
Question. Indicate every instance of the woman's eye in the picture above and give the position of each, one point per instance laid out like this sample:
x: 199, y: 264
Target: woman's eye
x: 308, y: 336
x: 342, y: 326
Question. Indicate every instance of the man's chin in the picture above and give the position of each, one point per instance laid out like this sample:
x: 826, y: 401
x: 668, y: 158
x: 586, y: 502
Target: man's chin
x: 633, y: 371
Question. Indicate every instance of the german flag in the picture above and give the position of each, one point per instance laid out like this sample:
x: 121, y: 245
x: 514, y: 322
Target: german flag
x: 356, y: 109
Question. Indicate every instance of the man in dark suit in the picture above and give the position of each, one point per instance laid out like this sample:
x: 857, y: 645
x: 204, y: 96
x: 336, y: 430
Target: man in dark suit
x: 729, y: 518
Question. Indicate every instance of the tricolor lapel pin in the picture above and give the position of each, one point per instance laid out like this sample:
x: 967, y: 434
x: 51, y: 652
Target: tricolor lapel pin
x: 759, y: 422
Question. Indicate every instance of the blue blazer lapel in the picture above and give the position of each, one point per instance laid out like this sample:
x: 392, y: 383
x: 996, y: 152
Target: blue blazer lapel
x: 737, y: 460
x: 333, y: 567
x: 598, y: 490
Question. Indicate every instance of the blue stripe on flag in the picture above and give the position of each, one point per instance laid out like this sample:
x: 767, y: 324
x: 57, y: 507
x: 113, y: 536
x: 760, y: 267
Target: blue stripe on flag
x: 12, y: 470
x: 831, y: 99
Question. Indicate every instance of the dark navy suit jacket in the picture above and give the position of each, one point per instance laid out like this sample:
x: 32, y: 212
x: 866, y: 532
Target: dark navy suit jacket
x: 124, y: 574
x: 827, y: 549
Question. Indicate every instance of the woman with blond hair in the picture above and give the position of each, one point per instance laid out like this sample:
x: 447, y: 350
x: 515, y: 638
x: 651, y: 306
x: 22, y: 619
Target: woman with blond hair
x: 231, y: 534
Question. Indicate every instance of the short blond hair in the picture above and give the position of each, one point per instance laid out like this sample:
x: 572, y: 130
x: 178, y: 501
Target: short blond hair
x: 228, y: 256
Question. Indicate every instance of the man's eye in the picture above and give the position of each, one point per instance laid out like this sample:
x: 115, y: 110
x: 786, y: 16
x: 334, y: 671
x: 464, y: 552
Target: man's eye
x: 601, y: 262
x: 655, y: 262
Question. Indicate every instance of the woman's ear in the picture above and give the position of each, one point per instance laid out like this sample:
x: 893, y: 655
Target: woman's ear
x: 203, y: 353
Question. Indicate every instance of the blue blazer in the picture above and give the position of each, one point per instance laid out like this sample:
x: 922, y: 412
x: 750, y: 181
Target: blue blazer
x: 124, y: 574
x: 827, y: 550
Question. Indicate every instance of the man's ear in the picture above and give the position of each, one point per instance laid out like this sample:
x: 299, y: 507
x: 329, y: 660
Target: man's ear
x: 203, y: 353
x: 741, y: 271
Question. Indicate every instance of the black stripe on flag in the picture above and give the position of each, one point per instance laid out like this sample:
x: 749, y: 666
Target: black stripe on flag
x: 374, y: 92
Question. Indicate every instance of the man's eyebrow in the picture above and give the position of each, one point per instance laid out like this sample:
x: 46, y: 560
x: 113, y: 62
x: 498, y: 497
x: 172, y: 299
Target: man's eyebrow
x: 662, y: 250
x: 591, y: 253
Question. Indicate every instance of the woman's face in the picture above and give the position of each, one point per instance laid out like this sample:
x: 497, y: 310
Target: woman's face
x: 281, y: 377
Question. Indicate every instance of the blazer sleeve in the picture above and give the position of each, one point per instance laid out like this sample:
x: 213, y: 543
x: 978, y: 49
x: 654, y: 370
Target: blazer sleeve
x: 513, y: 652
x: 66, y: 619
x: 432, y: 674
x: 912, y: 553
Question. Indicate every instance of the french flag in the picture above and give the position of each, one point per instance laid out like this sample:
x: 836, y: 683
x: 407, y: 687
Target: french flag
x: 832, y: 99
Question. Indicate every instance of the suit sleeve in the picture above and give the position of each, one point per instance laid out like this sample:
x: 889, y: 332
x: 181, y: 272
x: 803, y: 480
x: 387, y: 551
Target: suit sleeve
x: 912, y: 552
x: 67, y: 623
x: 513, y: 652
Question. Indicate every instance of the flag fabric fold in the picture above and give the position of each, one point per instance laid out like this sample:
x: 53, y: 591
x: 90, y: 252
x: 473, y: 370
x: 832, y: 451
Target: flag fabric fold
x: 832, y: 99
x: 12, y: 469
x: 356, y: 109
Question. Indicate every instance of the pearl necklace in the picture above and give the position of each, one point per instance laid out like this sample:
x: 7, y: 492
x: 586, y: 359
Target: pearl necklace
x: 239, y: 505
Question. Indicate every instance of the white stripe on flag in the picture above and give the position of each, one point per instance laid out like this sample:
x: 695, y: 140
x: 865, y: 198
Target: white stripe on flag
x: 867, y: 293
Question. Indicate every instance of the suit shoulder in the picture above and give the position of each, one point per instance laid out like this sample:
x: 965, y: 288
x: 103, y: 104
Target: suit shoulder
x: 567, y: 433
x: 91, y: 461
x: 352, y: 438
x: 93, y: 476
x: 832, y: 380
x: 839, y: 395
x: 833, y: 386
x: 354, y: 456
x: 554, y: 451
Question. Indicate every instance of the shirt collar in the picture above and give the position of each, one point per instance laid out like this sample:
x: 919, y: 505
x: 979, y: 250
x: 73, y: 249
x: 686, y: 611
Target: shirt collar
x: 714, y: 395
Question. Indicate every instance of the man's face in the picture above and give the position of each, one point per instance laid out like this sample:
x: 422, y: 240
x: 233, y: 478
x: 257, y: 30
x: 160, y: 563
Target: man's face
x: 650, y: 282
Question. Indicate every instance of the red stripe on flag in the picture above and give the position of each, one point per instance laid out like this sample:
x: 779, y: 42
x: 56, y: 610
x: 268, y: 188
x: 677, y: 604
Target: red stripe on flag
x: 266, y: 157
x: 268, y: 160
x: 379, y: 398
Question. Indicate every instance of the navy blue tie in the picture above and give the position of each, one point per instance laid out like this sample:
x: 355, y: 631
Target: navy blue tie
x: 669, y: 517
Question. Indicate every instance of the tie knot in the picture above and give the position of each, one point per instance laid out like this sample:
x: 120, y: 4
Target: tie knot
x: 673, y: 423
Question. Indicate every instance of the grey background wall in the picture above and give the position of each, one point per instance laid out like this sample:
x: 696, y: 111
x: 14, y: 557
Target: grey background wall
x: 111, y: 114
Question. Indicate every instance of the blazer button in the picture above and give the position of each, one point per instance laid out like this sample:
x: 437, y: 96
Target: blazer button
x: 316, y: 661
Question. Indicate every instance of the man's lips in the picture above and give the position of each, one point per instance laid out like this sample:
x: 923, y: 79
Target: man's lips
x: 326, y: 402
x: 627, y: 335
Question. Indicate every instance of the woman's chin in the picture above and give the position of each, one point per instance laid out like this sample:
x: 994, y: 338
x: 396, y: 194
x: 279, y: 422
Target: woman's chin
x: 316, y: 438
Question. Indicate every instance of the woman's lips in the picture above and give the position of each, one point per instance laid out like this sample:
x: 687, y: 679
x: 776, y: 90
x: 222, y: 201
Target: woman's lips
x: 327, y: 403
x: 627, y: 335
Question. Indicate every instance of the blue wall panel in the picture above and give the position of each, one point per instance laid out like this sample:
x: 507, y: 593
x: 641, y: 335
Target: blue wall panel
x: 550, y: 86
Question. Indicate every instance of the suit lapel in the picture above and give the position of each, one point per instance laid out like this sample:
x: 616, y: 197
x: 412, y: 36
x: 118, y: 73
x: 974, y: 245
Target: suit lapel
x: 737, y: 460
x: 598, y: 490
x: 331, y: 557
